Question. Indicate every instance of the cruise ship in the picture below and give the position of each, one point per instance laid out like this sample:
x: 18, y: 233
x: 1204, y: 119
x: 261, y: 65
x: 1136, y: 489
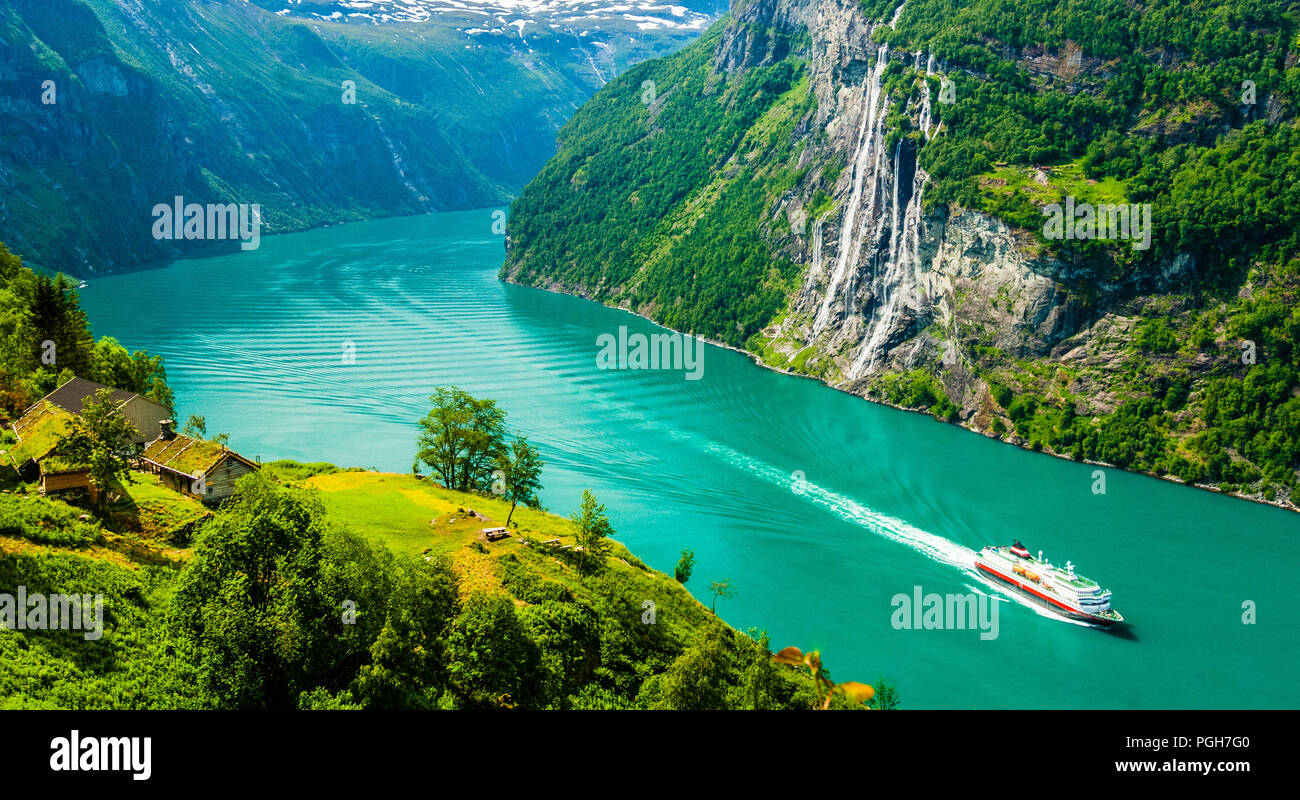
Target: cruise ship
x: 1061, y: 590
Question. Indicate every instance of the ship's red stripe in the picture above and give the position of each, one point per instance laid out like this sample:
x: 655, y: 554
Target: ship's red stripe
x: 1031, y: 590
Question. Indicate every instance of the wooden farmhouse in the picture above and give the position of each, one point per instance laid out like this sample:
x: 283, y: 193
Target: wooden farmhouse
x: 199, y: 468
x: 145, y: 415
x: 45, y: 422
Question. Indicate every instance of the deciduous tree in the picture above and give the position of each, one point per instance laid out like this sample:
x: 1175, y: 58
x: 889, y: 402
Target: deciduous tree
x: 461, y: 438
x: 521, y: 469
x: 101, y: 438
x: 720, y: 588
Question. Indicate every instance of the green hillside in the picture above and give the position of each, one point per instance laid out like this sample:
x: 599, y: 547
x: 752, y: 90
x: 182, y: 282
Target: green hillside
x: 353, y: 589
x: 659, y: 206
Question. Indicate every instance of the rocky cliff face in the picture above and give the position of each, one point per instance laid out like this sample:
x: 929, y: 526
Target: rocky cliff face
x: 888, y: 286
x: 883, y: 284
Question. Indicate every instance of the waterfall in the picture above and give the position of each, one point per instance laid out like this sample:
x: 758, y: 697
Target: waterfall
x: 893, y: 212
x: 869, y: 158
x: 924, y: 116
x: 868, y: 140
x: 898, y: 12
x: 904, y: 246
x: 902, y: 265
x: 397, y: 165
x: 896, y: 267
x: 881, y: 226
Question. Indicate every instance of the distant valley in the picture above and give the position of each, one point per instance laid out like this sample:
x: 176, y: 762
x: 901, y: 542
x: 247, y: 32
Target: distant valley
x: 109, y: 107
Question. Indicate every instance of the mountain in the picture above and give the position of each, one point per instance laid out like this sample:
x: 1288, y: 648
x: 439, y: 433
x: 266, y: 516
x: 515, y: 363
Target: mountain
x: 513, y: 17
x: 109, y: 107
x: 875, y: 194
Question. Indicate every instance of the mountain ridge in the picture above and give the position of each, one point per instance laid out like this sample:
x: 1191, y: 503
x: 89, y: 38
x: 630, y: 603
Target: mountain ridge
x: 223, y: 102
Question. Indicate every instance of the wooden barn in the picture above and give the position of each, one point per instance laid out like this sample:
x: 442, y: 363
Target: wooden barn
x: 58, y: 477
x: 39, y: 432
x: 199, y: 468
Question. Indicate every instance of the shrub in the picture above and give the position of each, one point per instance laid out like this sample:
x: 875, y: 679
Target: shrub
x: 45, y: 521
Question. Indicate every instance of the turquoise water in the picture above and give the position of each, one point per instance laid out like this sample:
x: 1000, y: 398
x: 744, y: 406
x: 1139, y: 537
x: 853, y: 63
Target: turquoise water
x: 889, y: 500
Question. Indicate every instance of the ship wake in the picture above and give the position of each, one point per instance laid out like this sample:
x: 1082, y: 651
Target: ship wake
x: 928, y: 544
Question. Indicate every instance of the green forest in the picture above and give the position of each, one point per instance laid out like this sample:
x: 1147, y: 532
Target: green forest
x: 649, y: 202
x: 1167, y: 112
x: 45, y: 339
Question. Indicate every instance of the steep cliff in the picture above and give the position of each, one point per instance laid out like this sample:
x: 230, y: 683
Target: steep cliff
x: 858, y: 192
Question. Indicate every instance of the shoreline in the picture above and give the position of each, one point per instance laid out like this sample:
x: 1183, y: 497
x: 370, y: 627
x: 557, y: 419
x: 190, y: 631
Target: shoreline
x: 217, y: 248
x: 754, y: 357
